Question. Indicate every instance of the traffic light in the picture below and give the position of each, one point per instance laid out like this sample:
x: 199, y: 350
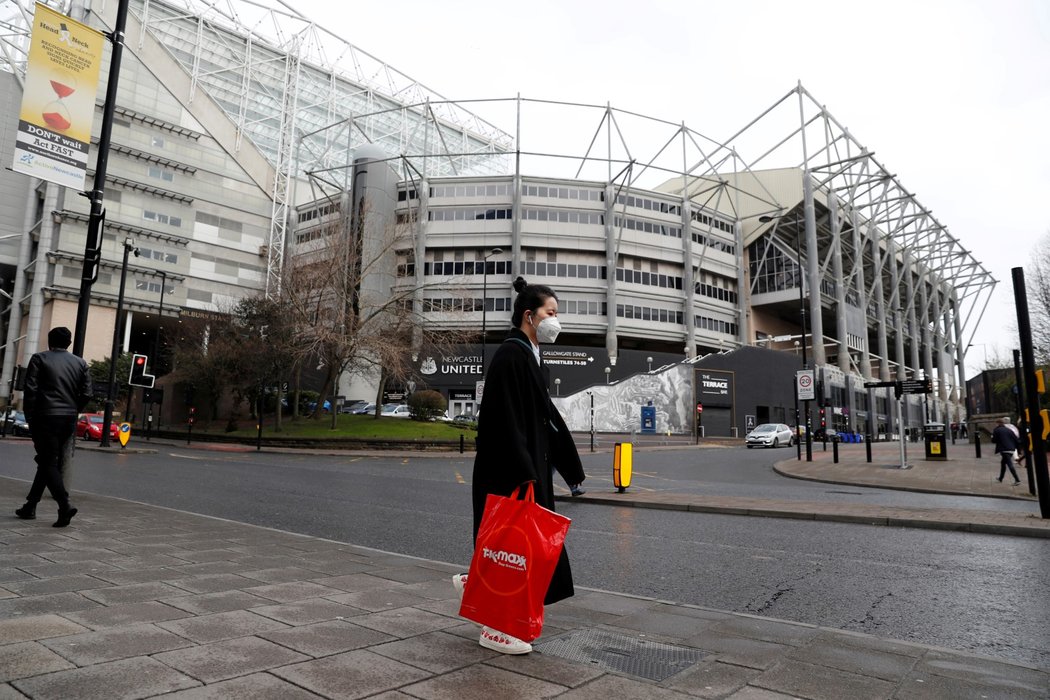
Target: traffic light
x: 823, y: 418
x: 138, y: 376
x: 192, y: 416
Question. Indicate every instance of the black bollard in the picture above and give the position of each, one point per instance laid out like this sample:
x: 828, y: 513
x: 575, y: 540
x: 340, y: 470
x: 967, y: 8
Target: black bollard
x: 977, y: 444
x: 461, y: 443
x: 835, y: 450
x: 867, y: 449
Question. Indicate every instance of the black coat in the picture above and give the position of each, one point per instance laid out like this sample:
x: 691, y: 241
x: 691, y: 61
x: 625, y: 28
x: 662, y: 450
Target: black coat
x: 522, y: 437
x: 1005, y: 440
x: 57, y: 384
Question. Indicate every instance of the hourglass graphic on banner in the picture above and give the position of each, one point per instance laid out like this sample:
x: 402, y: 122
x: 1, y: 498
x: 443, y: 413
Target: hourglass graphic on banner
x: 56, y: 113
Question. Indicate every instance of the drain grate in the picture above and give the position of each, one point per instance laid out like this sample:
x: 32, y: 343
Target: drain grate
x: 653, y: 661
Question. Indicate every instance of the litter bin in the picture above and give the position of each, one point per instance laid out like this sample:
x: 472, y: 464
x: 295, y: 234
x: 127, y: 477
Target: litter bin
x: 936, y: 445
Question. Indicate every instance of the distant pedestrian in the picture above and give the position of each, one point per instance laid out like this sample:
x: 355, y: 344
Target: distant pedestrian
x: 57, y: 387
x: 1007, y: 442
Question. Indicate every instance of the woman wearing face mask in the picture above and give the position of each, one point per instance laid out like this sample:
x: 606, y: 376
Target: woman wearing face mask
x: 521, y: 435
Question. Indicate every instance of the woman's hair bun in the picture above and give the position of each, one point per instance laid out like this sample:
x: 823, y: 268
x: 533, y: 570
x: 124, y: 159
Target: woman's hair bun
x: 520, y: 284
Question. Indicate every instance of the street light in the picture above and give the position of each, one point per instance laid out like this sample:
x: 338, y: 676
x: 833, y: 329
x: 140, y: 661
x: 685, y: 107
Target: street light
x: 802, y: 314
x: 107, y: 416
x: 485, y: 301
x: 557, y: 386
x: 608, y: 370
x: 649, y: 360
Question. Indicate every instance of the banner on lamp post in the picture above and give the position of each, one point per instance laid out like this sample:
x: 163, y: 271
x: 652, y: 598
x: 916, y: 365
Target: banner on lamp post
x: 58, y: 104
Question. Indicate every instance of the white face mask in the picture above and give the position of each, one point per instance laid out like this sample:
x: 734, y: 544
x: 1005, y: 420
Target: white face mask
x: 548, y: 329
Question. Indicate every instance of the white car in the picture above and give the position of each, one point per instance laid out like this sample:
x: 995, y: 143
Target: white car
x: 770, y: 435
x: 395, y: 410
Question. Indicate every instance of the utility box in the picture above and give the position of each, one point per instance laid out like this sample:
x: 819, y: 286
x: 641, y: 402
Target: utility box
x: 648, y: 419
x: 936, y: 444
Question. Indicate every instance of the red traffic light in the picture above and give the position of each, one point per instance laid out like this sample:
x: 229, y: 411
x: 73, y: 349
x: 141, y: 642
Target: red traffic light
x: 140, y: 360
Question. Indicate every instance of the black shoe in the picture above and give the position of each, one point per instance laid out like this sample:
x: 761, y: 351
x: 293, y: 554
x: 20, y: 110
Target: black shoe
x: 26, y: 512
x: 64, y: 516
x: 576, y: 490
x: 1000, y: 479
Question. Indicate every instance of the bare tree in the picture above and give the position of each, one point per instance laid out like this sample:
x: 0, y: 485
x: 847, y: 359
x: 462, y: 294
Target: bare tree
x: 350, y: 310
x: 1037, y: 282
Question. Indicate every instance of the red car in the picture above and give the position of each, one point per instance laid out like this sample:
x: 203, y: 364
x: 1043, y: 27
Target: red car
x: 89, y: 427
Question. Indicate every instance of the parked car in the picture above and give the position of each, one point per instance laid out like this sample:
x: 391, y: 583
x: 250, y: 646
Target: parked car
x: 770, y: 435
x: 465, y: 419
x: 325, y: 407
x: 351, y: 406
x: 367, y: 409
x: 17, y: 424
x: 396, y: 410
x: 89, y: 427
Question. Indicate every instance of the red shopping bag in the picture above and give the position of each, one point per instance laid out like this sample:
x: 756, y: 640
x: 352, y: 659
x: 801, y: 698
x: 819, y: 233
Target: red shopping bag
x: 518, y: 546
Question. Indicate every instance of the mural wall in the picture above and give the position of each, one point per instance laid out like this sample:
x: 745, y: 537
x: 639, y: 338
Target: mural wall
x: 618, y: 407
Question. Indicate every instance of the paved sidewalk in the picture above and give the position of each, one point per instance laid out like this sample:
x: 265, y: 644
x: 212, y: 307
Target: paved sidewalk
x: 135, y: 601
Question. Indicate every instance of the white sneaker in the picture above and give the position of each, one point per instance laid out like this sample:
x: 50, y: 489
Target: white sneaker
x: 503, y: 643
x: 459, y: 582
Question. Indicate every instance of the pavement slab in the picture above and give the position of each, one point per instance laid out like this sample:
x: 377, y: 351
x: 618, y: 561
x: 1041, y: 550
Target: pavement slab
x: 354, y: 674
x: 129, y: 679
x: 230, y: 658
x: 327, y: 638
x: 258, y: 686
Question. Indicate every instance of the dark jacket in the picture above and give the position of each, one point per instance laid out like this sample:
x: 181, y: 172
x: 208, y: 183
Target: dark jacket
x: 521, y: 436
x: 1005, y: 440
x: 57, y: 384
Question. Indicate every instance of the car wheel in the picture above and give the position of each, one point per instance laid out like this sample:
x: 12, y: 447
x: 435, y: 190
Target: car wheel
x: 776, y: 442
x: 750, y: 446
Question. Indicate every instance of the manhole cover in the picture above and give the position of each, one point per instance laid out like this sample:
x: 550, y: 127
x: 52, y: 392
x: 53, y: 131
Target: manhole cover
x: 616, y: 652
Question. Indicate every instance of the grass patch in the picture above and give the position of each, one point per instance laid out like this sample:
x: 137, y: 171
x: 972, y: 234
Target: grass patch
x: 348, y: 426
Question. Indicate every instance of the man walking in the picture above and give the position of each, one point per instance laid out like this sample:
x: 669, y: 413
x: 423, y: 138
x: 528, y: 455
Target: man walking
x: 1006, y: 442
x: 57, y: 387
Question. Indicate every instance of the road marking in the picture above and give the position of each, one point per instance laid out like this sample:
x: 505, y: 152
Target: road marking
x: 460, y: 479
x: 185, y: 456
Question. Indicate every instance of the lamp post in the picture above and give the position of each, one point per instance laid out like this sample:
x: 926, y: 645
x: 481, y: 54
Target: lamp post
x: 107, y: 416
x: 485, y: 301
x: 649, y: 361
x: 802, y: 316
x: 608, y: 370
x: 557, y: 386
x: 156, y: 341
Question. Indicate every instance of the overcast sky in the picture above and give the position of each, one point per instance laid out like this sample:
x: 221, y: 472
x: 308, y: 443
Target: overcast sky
x: 952, y: 96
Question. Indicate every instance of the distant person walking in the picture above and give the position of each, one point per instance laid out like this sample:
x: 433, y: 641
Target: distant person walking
x: 1007, y: 442
x: 57, y: 387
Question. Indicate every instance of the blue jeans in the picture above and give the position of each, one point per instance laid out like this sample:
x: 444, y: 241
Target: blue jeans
x: 1007, y: 463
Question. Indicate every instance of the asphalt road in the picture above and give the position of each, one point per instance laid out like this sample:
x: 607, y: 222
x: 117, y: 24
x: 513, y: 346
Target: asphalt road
x: 965, y: 591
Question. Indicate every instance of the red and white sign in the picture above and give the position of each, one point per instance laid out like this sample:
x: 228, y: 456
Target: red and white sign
x: 805, y: 385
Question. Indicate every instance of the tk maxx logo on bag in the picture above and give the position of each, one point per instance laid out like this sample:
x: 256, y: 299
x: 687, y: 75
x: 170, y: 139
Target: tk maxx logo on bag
x: 509, y: 560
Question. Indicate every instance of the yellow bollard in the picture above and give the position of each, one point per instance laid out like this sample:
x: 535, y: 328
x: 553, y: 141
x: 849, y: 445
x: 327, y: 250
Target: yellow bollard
x: 622, y: 458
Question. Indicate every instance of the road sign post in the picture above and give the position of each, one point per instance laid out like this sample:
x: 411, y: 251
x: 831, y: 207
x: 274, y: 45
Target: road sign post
x: 806, y: 390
